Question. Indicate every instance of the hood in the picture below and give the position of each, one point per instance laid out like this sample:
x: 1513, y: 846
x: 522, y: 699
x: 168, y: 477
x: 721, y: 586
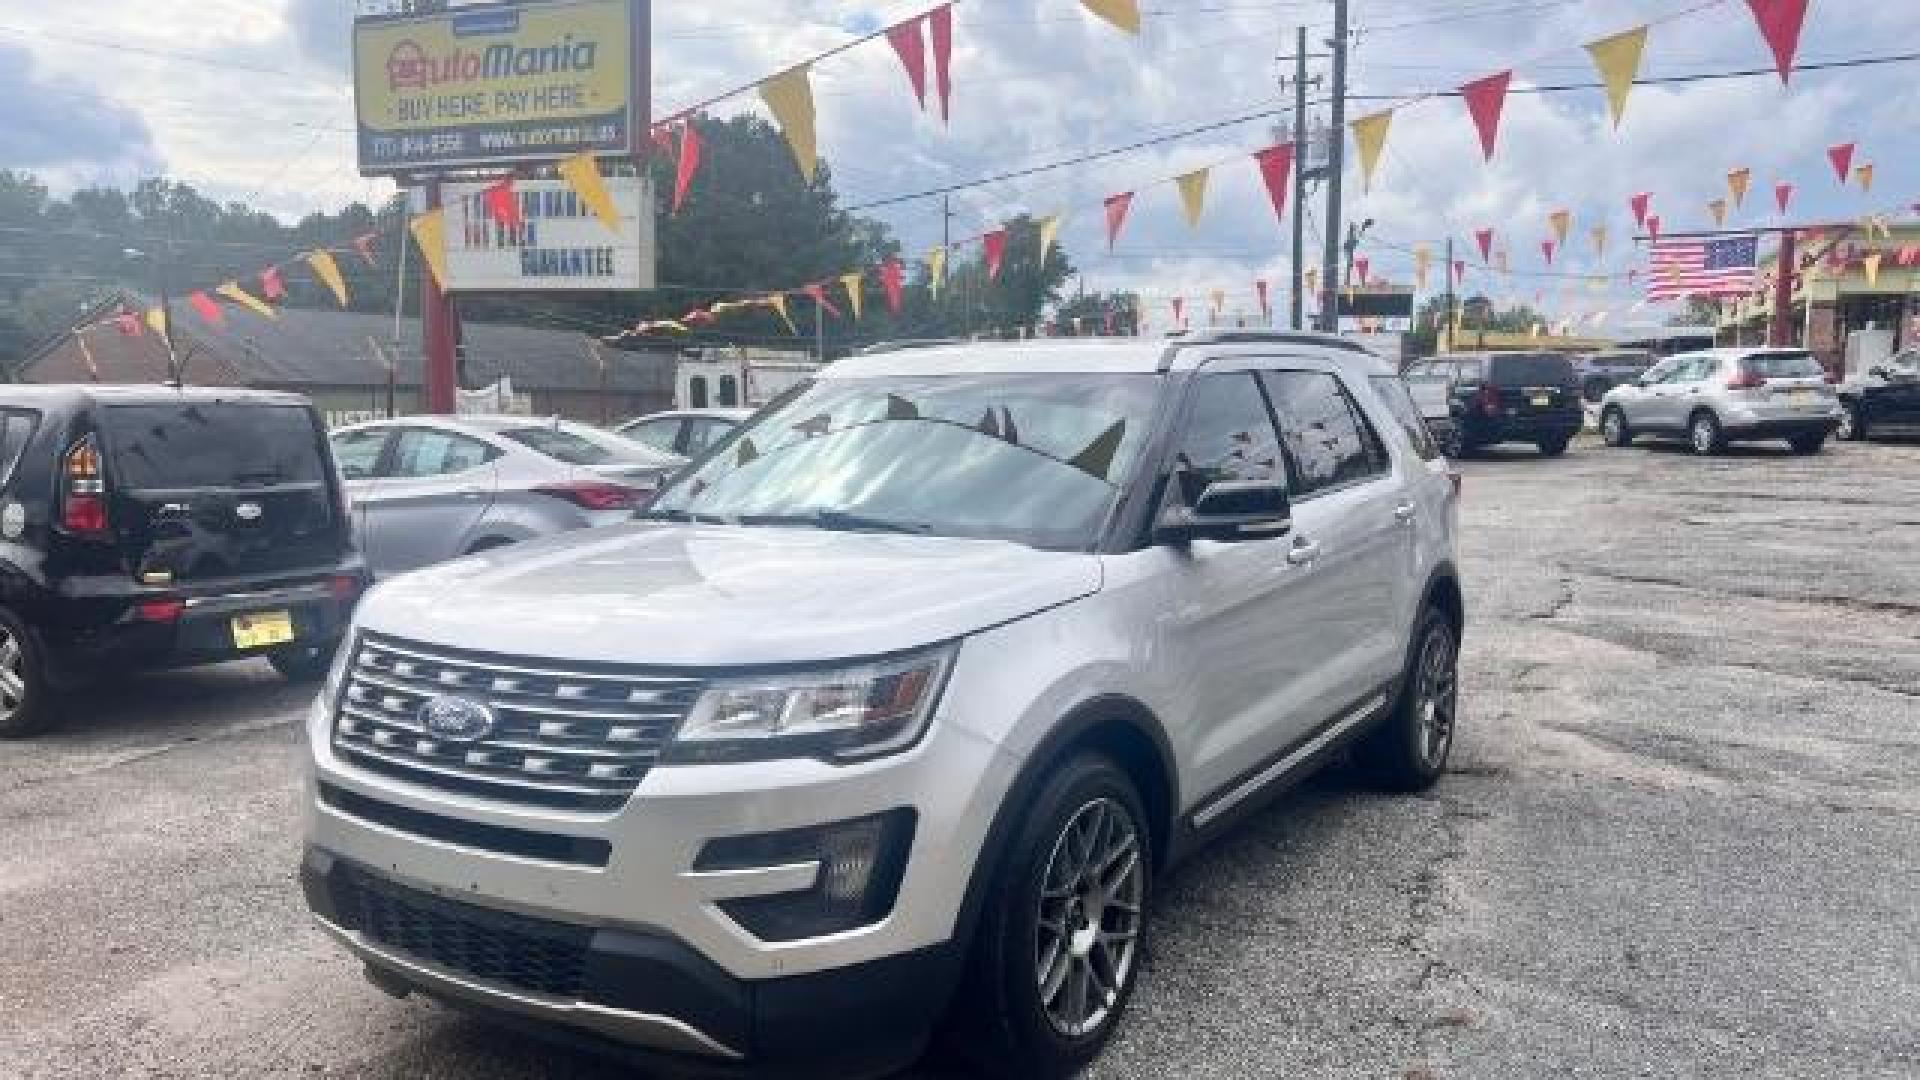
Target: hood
x: 711, y: 596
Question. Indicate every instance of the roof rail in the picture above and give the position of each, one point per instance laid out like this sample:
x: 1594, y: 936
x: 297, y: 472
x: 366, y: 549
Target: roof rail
x: 1256, y: 337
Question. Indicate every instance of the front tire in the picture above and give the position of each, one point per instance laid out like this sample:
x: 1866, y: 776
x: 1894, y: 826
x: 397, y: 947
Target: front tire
x: 1705, y: 435
x: 1060, y: 941
x: 26, y: 695
x: 1613, y: 427
x: 1553, y: 447
x: 1409, y: 751
x: 303, y: 663
x: 1808, y: 445
x: 1853, y: 426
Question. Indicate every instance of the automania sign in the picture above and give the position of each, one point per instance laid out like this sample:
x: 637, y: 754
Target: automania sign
x: 497, y: 83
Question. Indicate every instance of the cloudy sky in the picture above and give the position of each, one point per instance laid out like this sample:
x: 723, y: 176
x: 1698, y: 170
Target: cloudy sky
x: 248, y: 99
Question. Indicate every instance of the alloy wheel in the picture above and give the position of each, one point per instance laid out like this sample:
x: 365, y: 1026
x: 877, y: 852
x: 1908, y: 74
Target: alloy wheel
x: 1436, y: 696
x: 1087, y: 937
x: 1704, y: 436
x: 13, y: 676
x: 1613, y: 428
x: 1846, y: 428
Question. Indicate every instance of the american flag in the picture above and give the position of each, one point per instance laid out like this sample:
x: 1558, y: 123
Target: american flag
x: 1700, y: 267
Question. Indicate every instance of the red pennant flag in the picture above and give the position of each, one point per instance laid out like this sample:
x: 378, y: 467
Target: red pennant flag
x: 502, y: 205
x: 364, y: 245
x: 127, y: 323
x: 1780, y: 23
x: 996, y: 248
x: 1179, y: 311
x: 688, y: 165
x: 1484, y: 237
x: 1640, y: 203
x: 1459, y: 272
x: 208, y: 310
x: 818, y: 293
x: 1546, y: 248
x: 1653, y: 226
x: 1266, y: 309
x: 893, y: 278
x: 910, y: 43
x: 1842, y: 158
x: 1117, y: 208
x: 1360, y: 267
x: 1485, y: 100
x: 1909, y: 255
x: 1782, y: 195
x: 941, y: 21
x: 1276, y: 168
x: 270, y: 284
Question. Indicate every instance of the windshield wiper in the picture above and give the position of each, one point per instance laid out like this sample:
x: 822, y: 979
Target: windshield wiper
x: 839, y: 521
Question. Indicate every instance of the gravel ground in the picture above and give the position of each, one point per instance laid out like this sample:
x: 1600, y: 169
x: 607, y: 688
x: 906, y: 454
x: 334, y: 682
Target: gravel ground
x: 1681, y: 836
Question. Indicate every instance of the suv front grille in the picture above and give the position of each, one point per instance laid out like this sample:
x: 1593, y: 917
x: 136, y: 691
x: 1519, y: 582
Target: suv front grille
x: 569, y: 736
x: 490, y: 946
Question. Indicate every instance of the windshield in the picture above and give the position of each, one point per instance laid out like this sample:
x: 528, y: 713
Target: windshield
x: 1033, y: 459
x: 212, y: 445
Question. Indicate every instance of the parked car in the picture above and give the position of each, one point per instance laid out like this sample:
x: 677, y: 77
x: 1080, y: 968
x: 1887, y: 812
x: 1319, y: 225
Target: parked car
x: 154, y: 527
x: 430, y: 488
x: 1723, y: 396
x: 895, y: 713
x: 1602, y: 371
x: 1886, y: 396
x: 686, y: 433
x: 1473, y: 400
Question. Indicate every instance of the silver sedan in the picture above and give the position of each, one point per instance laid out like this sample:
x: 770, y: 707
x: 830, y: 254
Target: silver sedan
x: 430, y: 488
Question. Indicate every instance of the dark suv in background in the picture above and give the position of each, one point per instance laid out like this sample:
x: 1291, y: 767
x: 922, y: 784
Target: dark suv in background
x: 1471, y: 400
x: 147, y: 527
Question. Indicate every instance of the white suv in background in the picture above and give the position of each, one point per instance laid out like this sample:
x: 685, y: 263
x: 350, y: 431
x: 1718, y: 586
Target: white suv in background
x: 890, y: 718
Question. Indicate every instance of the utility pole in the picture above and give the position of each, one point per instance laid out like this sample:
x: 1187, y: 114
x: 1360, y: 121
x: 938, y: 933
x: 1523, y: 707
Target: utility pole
x: 1299, y: 179
x: 1446, y: 324
x: 439, y: 335
x: 1336, y: 166
x: 820, y: 330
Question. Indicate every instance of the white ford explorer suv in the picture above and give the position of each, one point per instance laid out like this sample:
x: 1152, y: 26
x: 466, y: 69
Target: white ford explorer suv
x: 890, y: 717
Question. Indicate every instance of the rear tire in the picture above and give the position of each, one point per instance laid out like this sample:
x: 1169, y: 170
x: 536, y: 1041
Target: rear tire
x: 303, y: 663
x: 1062, y: 935
x: 1613, y: 427
x: 1705, y: 435
x: 1853, y: 426
x: 26, y: 695
x: 1553, y: 447
x: 1409, y: 750
x: 1808, y: 445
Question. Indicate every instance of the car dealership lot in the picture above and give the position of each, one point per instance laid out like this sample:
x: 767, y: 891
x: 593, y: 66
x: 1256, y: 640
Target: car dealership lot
x: 1681, y: 836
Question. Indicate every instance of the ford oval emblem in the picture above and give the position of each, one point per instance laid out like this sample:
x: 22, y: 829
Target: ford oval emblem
x: 248, y: 511
x: 456, y: 719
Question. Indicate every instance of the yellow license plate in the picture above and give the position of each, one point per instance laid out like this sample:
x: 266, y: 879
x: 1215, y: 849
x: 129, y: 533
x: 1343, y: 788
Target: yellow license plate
x: 1804, y: 397
x: 1541, y: 401
x: 262, y: 628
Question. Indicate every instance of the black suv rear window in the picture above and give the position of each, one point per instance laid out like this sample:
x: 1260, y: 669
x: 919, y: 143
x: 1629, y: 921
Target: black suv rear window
x: 1798, y: 365
x: 212, y: 445
x: 1532, y: 370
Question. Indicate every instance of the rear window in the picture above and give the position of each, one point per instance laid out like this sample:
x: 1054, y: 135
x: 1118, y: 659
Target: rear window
x: 1784, y: 366
x: 1532, y: 370
x: 213, y: 445
x: 560, y: 445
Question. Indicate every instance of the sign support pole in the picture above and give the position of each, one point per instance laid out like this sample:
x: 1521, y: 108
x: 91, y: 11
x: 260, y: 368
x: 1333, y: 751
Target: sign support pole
x: 1780, y: 333
x: 439, y: 330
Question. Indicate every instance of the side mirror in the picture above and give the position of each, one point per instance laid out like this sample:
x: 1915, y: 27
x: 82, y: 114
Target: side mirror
x: 1881, y: 371
x: 1228, y: 512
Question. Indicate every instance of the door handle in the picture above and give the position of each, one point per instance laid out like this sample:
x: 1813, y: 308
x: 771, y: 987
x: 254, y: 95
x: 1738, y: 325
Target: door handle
x: 1302, y: 553
x: 1405, y: 513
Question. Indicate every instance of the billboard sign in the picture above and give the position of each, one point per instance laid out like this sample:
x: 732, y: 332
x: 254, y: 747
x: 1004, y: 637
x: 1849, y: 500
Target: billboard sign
x: 499, y: 83
x: 559, y: 246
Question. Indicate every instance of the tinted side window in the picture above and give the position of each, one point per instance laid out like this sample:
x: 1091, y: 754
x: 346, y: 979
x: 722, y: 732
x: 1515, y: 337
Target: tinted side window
x: 1400, y: 402
x: 422, y: 453
x: 1329, y: 440
x: 659, y: 434
x: 358, y: 453
x: 16, y: 431
x: 1227, y: 434
x: 704, y: 433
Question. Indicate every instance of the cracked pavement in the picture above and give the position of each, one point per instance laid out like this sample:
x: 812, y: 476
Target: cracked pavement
x: 1680, y: 836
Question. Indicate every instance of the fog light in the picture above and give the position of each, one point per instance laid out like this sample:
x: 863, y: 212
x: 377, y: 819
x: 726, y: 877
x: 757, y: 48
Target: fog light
x: 861, y: 864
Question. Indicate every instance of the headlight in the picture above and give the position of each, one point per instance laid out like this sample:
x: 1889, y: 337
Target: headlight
x: 847, y: 714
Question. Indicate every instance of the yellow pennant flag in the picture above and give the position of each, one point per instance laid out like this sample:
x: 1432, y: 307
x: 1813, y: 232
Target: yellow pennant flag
x: 329, y: 272
x: 157, y: 320
x: 1600, y: 241
x: 1561, y: 220
x: 1049, y: 233
x: 1124, y: 14
x: 1422, y: 260
x: 1864, y: 174
x: 790, y: 96
x: 1219, y: 301
x: 1718, y: 208
x: 232, y: 291
x: 1313, y: 279
x: 1618, y: 58
x: 936, y: 270
x: 430, y: 232
x: 582, y: 174
x: 1193, y: 194
x: 1737, y: 183
x: 1871, y: 264
x: 1370, y: 135
x: 778, y: 302
x: 855, y: 284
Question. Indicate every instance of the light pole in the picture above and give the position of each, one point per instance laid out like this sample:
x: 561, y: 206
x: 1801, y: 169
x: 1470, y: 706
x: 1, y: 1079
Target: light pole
x: 159, y: 266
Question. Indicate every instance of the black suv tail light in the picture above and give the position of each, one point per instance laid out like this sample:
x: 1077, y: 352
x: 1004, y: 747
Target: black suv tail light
x: 83, y: 490
x: 1489, y: 399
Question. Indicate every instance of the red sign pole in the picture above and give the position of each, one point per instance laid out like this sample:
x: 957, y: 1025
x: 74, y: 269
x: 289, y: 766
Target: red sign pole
x: 439, y: 332
x: 1780, y: 333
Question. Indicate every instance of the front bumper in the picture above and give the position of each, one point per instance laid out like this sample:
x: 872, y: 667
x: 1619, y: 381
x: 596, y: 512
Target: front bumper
x: 637, y: 989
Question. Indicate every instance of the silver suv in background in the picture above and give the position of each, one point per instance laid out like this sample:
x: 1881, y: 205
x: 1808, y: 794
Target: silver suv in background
x: 426, y: 489
x: 893, y: 715
x: 1723, y: 396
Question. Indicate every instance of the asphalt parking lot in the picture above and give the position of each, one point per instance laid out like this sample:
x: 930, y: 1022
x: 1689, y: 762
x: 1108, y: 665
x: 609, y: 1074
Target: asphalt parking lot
x: 1681, y: 837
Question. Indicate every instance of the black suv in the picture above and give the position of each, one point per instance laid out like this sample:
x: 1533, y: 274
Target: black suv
x: 1479, y: 399
x: 147, y: 527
